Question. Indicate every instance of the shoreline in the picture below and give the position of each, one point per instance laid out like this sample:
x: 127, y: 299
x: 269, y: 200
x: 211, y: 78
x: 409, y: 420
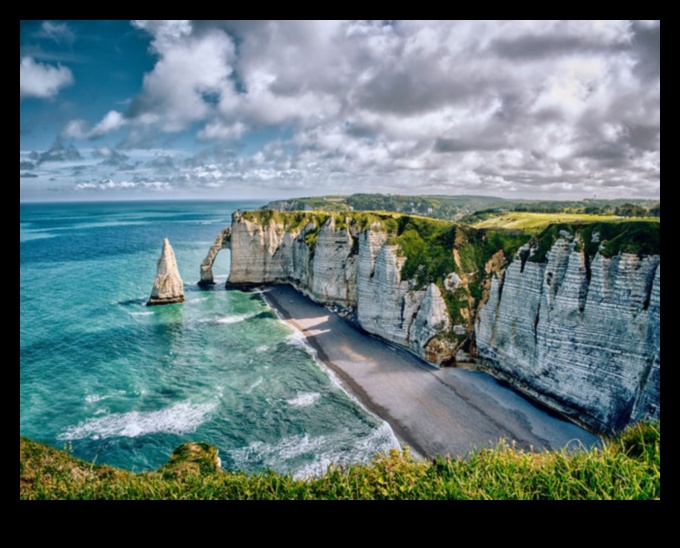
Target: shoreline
x: 449, y: 411
x: 347, y: 382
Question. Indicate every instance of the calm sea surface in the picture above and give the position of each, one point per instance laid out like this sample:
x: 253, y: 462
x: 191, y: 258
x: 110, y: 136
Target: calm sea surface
x: 124, y: 384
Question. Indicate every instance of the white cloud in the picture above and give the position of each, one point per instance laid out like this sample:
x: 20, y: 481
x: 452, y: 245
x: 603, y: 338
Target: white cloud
x: 59, y: 32
x: 42, y: 80
x: 75, y: 129
x: 113, y: 121
x: 79, y: 129
x: 165, y: 33
x: 109, y: 185
x: 222, y: 131
x: 190, y: 77
x: 420, y: 106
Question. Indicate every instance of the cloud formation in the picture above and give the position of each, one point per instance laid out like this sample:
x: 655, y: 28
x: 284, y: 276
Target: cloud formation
x: 58, y: 152
x: 514, y: 108
x: 41, y: 80
x: 79, y: 129
x: 59, y: 32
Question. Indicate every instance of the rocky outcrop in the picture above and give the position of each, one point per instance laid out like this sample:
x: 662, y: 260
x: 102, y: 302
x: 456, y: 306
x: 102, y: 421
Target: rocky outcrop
x: 571, y: 321
x: 221, y: 242
x: 394, y: 308
x: 579, y: 334
x: 340, y: 263
x: 167, y: 287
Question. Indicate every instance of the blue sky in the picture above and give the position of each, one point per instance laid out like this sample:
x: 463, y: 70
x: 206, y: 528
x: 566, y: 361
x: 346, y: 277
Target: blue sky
x: 113, y: 110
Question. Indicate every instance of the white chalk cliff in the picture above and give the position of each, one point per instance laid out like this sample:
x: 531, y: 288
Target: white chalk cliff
x: 221, y: 242
x: 581, y: 336
x: 579, y: 333
x: 167, y: 287
x: 346, y: 266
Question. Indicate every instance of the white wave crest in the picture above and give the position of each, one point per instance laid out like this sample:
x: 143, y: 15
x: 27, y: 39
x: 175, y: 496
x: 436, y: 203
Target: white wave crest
x: 180, y: 418
x: 304, y: 399
x: 93, y: 398
x: 274, y: 453
x: 323, y: 451
x: 256, y: 383
x: 26, y: 235
x: 234, y: 319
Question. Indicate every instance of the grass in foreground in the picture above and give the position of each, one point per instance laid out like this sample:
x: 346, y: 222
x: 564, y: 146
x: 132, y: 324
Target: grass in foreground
x: 626, y: 467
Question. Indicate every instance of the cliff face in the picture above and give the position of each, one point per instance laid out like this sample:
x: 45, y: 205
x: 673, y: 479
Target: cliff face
x: 573, y: 326
x: 580, y: 334
x: 345, y: 265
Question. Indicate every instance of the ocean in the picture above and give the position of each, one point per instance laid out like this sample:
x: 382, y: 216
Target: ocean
x: 116, y: 382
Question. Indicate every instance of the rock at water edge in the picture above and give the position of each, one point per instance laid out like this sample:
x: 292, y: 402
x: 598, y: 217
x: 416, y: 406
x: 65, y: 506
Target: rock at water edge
x: 167, y: 287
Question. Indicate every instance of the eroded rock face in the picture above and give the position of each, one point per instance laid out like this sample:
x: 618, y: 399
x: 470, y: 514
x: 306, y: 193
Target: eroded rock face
x: 256, y: 252
x: 578, y: 332
x: 222, y: 241
x: 355, y: 269
x: 167, y: 287
x: 580, y: 335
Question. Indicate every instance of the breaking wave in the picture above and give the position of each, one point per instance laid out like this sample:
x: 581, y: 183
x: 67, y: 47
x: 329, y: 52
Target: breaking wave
x: 180, y: 418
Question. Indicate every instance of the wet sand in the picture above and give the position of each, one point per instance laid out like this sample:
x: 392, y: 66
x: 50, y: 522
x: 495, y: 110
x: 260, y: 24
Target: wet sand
x: 434, y: 411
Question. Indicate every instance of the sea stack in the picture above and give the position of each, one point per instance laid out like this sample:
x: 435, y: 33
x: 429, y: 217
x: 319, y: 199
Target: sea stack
x: 167, y: 287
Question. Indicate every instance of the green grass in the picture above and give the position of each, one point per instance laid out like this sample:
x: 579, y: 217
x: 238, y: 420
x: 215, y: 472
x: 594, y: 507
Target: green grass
x: 533, y: 221
x: 638, y: 236
x: 428, y: 244
x: 626, y: 467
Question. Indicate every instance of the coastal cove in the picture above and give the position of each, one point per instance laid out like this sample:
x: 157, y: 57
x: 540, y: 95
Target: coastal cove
x: 123, y: 384
x: 449, y: 411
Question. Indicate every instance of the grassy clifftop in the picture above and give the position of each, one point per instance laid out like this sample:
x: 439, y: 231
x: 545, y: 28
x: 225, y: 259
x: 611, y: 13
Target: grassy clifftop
x: 434, y: 248
x: 641, y: 237
x: 626, y: 467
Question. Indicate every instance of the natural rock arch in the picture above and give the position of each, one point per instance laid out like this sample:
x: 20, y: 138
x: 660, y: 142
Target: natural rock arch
x: 223, y: 241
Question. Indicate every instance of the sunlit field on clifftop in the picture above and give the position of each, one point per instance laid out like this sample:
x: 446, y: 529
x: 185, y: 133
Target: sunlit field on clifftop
x: 528, y: 221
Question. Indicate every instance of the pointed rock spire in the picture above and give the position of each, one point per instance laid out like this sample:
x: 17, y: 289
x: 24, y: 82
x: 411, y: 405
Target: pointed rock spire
x: 167, y: 287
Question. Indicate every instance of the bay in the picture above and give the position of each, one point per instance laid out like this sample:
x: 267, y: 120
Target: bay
x: 119, y: 383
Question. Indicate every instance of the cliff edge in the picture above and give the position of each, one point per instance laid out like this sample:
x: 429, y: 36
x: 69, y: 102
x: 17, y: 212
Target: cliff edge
x: 578, y: 327
x: 571, y: 317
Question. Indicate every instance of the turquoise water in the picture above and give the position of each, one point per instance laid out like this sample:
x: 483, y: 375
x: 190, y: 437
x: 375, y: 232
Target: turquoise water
x: 124, y: 384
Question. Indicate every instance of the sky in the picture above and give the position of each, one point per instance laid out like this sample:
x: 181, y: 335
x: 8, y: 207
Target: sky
x: 121, y: 110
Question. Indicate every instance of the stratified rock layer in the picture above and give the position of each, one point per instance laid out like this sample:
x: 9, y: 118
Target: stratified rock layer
x: 221, y: 242
x: 167, y: 287
x: 576, y: 330
x: 345, y: 266
x: 580, y: 335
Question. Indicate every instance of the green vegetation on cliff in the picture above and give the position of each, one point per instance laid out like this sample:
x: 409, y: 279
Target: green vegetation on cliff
x: 625, y: 467
x: 428, y: 244
x: 297, y: 220
x: 434, y: 249
x: 311, y: 222
x: 641, y: 237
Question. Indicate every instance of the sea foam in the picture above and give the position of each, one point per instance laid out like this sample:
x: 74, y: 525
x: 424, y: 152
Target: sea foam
x: 178, y: 419
x: 304, y: 399
x: 321, y: 451
x: 235, y: 319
